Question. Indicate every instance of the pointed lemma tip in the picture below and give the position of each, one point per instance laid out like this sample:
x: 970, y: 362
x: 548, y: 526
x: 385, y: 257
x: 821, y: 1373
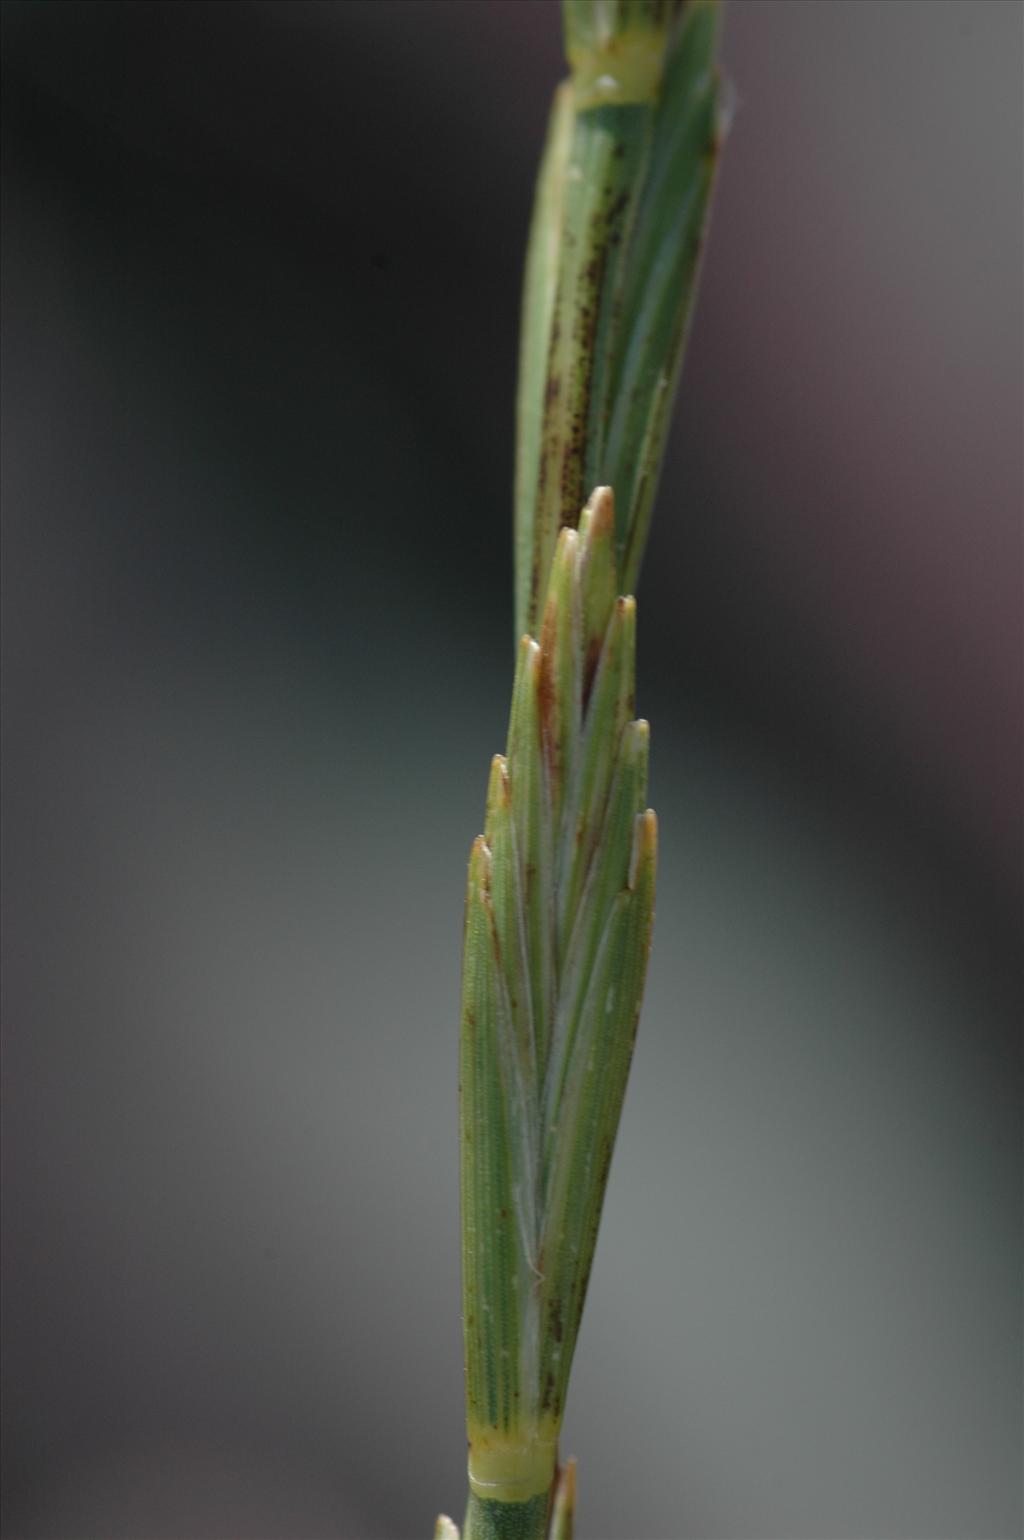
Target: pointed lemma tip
x: 563, y: 569
x: 527, y: 663
x: 497, y: 793
x: 480, y: 861
x: 599, y: 512
x: 444, y: 1529
x: 645, y: 847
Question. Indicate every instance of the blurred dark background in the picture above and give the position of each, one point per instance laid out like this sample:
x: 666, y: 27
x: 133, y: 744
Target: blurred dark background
x: 261, y: 271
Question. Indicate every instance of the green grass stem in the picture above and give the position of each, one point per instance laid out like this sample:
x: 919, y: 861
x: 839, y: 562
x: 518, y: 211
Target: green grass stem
x: 560, y: 890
